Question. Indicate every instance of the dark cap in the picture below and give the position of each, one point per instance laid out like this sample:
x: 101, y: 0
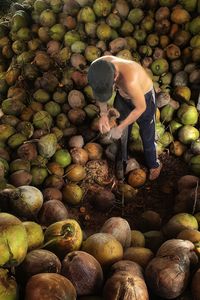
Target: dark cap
x: 101, y: 75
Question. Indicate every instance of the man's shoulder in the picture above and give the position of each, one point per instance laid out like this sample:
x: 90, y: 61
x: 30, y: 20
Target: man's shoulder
x: 105, y: 57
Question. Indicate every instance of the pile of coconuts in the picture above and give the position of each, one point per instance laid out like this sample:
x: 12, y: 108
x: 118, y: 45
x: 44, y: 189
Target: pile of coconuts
x: 58, y: 261
x: 52, y: 156
x: 49, y: 118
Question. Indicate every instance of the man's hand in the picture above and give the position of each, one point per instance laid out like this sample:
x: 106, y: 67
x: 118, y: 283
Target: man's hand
x: 104, y: 125
x: 116, y: 132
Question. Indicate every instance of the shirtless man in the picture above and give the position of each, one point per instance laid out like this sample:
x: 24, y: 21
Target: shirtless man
x: 135, y: 101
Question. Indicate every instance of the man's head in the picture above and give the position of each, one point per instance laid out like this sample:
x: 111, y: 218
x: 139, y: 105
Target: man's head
x: 101, y: 76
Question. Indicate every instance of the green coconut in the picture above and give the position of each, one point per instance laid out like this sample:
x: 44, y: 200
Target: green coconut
x: 167, y: 113
x: 102, y: 8
x: 63, y: 157
x: 63, y: 55
x: 34, y: 234
x: 5, y: 165
x: 91, y: 53
x: 166, y: 139
x: 187, y: 114
x: 194, y: 164
x: 125, y: 54
x: 42, y: 119
x: 59, y: 96
x: 147, y: 23
x: 57, y: 32
x: 47, y: 18
x: 56, y: 5
x: 160, y: 66
x: 11, y: 107
x: 16, y: 140
x: 47, y: 145
x: 70, y: 37
x: 140, y: 35
x: 103, y: 31
x: 86, y: 14
x: 91, y: 110
x: 195, y: 41
x: 39, y: 174
x: 19, y: 20
x: 63, y: 237
x: 90, y: 29
x: 145, y: 50
x: 13, y: 240
x: 178, y: 223
x: 187, y: 134
x: 160, y: 129
x: 8, y: 286
x: 113, y: 20
x: 40, y: 5
x: 6, y: 131
x: 62, y: 121
x: 72, y: 193
x: 135, y: 15
x: 52, y: 108
x: 189, y: 5
x: 25, y: 57
x: 126, y: 28
x: 131, y: 42
x: 174, y: 126
x: 24, y: 34
x: 78, y: 47
x: 194, y: 25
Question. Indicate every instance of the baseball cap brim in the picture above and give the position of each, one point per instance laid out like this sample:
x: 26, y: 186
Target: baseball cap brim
x: 104, y: 95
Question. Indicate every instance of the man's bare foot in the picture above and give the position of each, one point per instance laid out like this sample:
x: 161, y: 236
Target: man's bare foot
x: 155, y: 172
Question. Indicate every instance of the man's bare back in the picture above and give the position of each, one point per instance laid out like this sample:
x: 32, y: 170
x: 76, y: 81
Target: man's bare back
x: 129, y: 71
x: 133, y: 83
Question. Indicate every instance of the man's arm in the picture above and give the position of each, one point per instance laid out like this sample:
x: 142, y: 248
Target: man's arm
x: 103, y: 107
x: 138, y: 100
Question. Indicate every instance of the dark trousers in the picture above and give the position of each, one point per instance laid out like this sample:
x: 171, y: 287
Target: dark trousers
x: 146, y: 124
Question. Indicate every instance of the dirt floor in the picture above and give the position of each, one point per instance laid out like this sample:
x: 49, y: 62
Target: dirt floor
x: 157, y: 196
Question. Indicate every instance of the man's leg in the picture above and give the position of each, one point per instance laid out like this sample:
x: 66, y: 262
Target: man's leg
x: 124, y: 109
x: 147, y: 131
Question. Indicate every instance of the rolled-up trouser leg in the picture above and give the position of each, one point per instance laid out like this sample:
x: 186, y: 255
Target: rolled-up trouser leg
x: 147, y: 131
